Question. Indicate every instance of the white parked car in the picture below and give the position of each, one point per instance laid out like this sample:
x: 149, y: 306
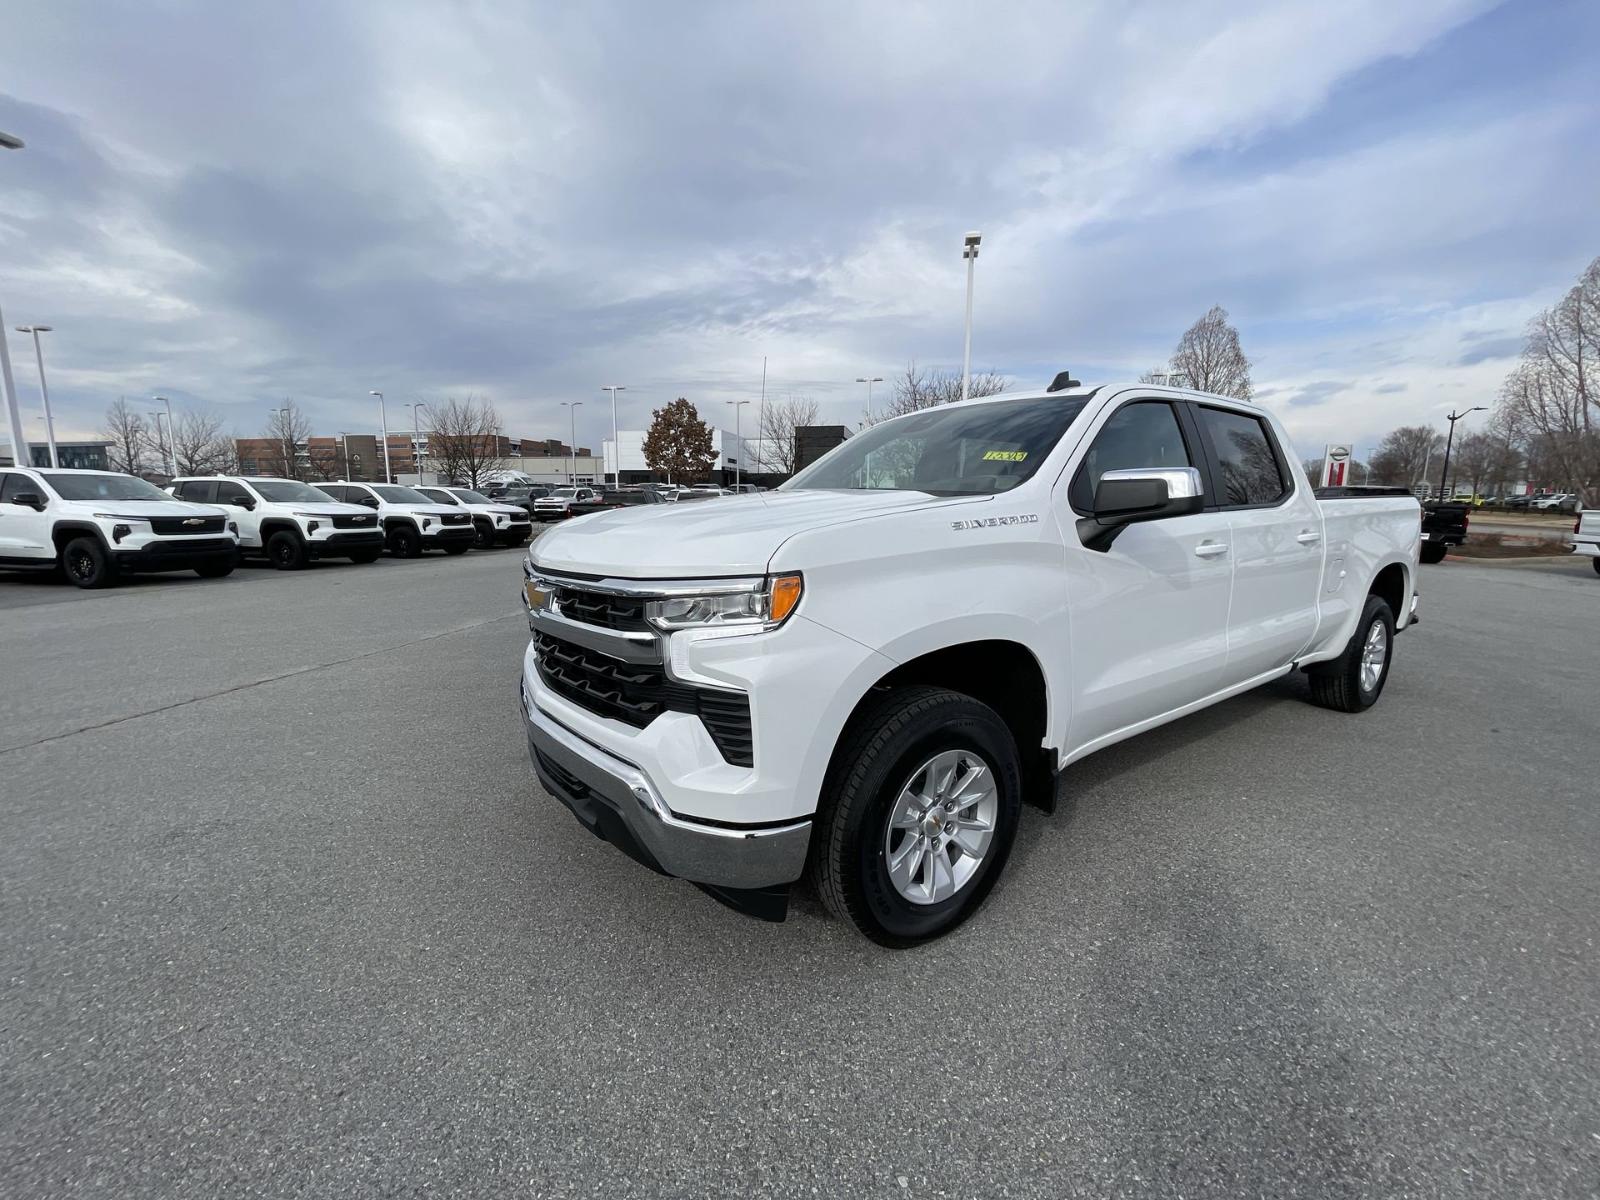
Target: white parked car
x: 288, y: 522
x: 411, y: 522
x: 100, y: 525
x: 867, y: 671
x: 1554, y: 500
x: 494, y: 523
x: 558, y: 504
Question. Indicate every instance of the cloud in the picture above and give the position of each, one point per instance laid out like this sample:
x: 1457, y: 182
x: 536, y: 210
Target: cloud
x: 319, y: 199
x: 1486, y: 349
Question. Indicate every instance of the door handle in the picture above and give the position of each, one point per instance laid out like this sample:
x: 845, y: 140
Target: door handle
x: 1211, y: 549
x: 1307, y: 536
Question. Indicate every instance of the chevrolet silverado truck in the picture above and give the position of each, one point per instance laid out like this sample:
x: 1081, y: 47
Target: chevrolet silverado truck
x: 862, y: 675
x: 1444, y: 524
x: 1586, y: 536
x: 97, y: 526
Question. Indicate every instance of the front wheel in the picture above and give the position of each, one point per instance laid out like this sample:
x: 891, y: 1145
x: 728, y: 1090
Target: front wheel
x: 1353, y: 682
x: 1434, y: 552
x: 87, y: 564
x: 1595, y: 563
x: 483, y: 536
x: 404, y: 541
x: 918, y: 814
x: 286, y: 551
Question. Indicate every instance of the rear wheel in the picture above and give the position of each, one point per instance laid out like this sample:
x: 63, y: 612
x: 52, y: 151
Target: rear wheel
x: 1434, y: 552
x: 286, y: 551
x: 87, y: 564
x: 918, y: 814
x: 1353, y: 682
x: 483, y: 535
x: 404, y: 541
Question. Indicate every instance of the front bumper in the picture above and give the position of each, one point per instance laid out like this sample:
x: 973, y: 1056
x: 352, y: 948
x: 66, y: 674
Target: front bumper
x: 448, y: 535
x: 617, y: 802
x: 344, y: 541
x: 176, y: 553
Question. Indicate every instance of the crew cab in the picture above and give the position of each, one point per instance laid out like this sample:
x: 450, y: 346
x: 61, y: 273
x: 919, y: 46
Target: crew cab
x: 557, y: 506
x: 614, y: 498
x: 100, y: 525
x: 288, y: 522
x: 1444, y: 524
x: 864, y: 673
x: 411, y: 522
x: 493, y: 524
x: 1586, y: 536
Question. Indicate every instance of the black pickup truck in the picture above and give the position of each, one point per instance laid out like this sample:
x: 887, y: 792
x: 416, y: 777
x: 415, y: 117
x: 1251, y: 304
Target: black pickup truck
x: 1443, y: 525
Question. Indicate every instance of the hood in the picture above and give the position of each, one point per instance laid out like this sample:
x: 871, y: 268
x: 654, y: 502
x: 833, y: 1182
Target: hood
x: 731, y: 535
x: 153, y: 508
x: 425, y: 510
x: 330, y: 508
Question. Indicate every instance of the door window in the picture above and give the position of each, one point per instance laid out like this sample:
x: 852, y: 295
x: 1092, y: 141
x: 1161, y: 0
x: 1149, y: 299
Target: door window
x: 1143, y: 434
x: 13, y: 485
x: 1247, y: 462
x: 232, y: 493
x: 202, y: 491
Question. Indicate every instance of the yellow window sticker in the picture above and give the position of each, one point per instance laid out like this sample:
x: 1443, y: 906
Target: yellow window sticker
x: 1004, y: 455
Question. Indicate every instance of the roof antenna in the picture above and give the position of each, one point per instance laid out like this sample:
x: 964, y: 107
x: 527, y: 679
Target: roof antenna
x: 1062, y: 382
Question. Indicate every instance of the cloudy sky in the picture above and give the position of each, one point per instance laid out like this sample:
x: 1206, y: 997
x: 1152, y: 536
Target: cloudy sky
x: 231, y: 204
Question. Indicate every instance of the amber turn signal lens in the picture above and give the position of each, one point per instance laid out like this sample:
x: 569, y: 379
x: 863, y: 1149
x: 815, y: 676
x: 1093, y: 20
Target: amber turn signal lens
x: 785, y: 595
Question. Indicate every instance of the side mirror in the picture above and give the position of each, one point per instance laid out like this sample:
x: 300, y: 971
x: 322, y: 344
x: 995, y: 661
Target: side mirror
x: 1125, y: 498
x: 29, y: 500
x: 245, y: 503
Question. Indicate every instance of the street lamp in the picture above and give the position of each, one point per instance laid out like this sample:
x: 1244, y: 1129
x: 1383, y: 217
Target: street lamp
x: 970, y: 253
x: 738, y: 463
x: 383, y: 423
x: 291, y: 458
x: 1453, y: 418
x: 19, y: 444
x: 616, y: 446
x: 44, y: 391
x: 416, y: 440
x: 170, y: 448
x: 574, y: 405
x: 869, y: 381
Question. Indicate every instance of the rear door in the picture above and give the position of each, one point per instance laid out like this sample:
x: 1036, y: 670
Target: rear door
x: 1149, y: 615
x: 1275, y: 526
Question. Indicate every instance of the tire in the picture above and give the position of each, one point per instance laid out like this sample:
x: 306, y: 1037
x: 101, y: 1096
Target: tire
x: 369, y: 555
x: 218, y: 570
x: 1434, y: 552
x: 286, y: 551
x: 1595, y: 563
x: 896, y: 746
x: 457, y: 549
x: 483, y: 536
x: 404, y: 541
x: 1342, y: 684
x: 88, y: 564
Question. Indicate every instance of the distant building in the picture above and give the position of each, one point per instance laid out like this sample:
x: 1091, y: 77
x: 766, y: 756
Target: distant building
x: 735, y: 457
x: 811, y: 442
x: 77, y: 456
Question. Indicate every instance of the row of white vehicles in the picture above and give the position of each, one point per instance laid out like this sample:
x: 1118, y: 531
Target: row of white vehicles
x: 96, y: 526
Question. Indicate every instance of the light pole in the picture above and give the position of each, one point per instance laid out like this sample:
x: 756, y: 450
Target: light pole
x: 869, y: 381
x: 1453, y: 417
x: 19, y: 444
x: 761, y: 422
x: 970, y: 253
x: 169, y: 448
x: 738, y: 437
x: 616, y: 446
x: 44, y: 391
x: 572, y: 447
x: 383, y: 423
x: 291, y: 462
x: 416, y: 440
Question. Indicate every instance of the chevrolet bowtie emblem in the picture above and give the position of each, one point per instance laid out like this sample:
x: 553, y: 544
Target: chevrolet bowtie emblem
x: 195, y: 521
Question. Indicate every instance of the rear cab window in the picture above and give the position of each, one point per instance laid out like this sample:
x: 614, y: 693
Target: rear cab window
x: 1248, y: 466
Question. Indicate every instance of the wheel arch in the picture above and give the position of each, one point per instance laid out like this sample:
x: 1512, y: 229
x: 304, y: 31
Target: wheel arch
x: 1392, y: 585
x: 274, y: 525
x: 66, y: 531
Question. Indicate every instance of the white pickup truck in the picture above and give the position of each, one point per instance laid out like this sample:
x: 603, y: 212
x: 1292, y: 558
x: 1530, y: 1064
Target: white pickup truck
x: 1586, y: 536
x: 864, y: 674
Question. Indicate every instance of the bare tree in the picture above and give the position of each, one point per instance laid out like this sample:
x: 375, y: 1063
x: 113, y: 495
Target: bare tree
x: 125, y: 429
x: 465, y: 444
x: 1403, y: 457
x: 287, y: 428
x: 1552, y: 397
x: 199, y: 445
x: 917, y: 388
x: 778, y: 425
x: 1210, y: 358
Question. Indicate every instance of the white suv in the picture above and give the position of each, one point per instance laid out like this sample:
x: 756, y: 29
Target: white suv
x: 411, y: 522
x: 99, y: 525
x: 495, y: 524
x: 290, y: 522
x: 558, y: 504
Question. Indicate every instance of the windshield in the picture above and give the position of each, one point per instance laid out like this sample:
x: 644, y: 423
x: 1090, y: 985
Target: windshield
x: 563, y: 494
x: 289, y: 491
x: 101, y: 487
x: 470, y: 497
x: 952, y: 450
x: 439, y: 494
x: 401, y: 495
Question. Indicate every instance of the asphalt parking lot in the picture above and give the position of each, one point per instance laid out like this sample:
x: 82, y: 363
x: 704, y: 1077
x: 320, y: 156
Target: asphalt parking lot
x: 284, y: 913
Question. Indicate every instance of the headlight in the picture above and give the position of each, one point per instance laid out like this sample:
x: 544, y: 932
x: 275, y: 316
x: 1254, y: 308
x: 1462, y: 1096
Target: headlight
x: 120, y: 517
x: 426, y: 521
x: 768, y: 606
x: 499, y: 518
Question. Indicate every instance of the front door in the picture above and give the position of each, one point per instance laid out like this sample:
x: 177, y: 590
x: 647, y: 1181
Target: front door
x: 24, y: 531
x: 1150, y: 614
